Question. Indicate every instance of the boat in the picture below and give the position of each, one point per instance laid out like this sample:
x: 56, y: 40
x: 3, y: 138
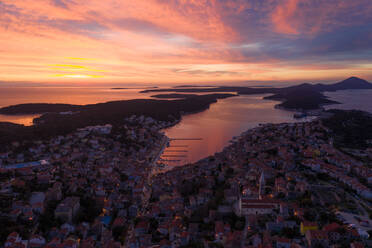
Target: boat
x: 299, y: 115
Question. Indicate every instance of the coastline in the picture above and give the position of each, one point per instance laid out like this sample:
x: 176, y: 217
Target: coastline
x: 246, y: 152
x: 179, y: 112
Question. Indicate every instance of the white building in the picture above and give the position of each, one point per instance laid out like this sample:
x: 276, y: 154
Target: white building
x: 256, y: 206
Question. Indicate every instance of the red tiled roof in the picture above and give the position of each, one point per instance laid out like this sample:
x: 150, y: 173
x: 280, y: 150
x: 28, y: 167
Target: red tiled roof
x: 331, y: 227
x: 318, y: 234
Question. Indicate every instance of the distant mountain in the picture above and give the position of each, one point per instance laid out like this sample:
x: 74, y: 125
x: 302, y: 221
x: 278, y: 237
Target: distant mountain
x: 353, y: 83
x: 300, y: 97
x: 309, y: 96
x: 347, y: 84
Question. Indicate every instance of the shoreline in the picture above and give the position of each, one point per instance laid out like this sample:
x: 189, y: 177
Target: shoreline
x: 314, y: 94
x: 319, y: 113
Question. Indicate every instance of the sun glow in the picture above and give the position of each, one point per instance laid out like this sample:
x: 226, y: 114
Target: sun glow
x: 81, y: 76
x: 183, y: 41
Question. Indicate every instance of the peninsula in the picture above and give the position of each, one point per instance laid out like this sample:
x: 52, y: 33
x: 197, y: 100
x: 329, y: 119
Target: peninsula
x: 300, y: 97
x: 60, y: 119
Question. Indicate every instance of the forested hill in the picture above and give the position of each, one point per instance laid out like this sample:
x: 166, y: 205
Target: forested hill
x: 54, y: 123
x: 299, y: 97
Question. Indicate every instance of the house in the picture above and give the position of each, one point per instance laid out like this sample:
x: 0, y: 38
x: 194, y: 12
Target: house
x: 369, y: 178
x: 67, y: 209
x: 333, y: 231
x: 316, y: 238
x: 356, y: 245
x: 219, y: 230
x: 163, y: 228
x: 283, y: 243
x: 141, y: 228
x: 14, y: 240
x: 224, y: 209
x: 70, y: 243
x: 37, y: 197
x: 274, y: 226
x: 145, y: 240
x: 54, y: 243
x: 37, y: 201
x: 307, y: 226
x: 256, y: 206
x: 36, y: 241
x: 55, y: 193
x: 185, y: 238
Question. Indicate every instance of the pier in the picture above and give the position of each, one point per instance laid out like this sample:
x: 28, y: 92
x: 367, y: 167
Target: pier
x: 174, y: 156
x: 170, y: 160
x: 176, y: 151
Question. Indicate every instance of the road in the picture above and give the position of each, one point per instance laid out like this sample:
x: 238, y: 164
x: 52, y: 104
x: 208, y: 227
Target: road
x: 145, y: 200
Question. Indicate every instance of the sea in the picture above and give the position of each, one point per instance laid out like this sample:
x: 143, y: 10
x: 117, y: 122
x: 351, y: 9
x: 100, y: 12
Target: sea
x: 71, y: 95
x: 198, y: 135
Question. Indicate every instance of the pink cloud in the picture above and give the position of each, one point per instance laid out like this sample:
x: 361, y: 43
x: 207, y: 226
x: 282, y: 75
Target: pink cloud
x: 134, y: 40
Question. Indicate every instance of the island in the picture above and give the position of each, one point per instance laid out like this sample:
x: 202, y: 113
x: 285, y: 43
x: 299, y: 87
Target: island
x: 181, y: 96
x: 303, y: 97
x: 60, y: 119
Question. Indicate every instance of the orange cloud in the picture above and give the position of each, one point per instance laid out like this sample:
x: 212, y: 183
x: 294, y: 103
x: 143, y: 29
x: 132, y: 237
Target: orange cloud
x: 178, y: 40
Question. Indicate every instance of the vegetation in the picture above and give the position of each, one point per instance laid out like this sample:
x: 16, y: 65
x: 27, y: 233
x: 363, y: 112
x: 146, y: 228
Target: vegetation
x: 52, y: 123
x: 89, y: 210
x: 303, y: 98
x: 350, y: 129
x: 47, y: 219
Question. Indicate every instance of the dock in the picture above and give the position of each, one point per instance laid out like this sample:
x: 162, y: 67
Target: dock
x: 174, y: 156
x: 176, y: 151
x: 170, y: 160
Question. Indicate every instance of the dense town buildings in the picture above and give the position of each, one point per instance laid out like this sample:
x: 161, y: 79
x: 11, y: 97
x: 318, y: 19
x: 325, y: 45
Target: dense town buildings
x: 277, y: 185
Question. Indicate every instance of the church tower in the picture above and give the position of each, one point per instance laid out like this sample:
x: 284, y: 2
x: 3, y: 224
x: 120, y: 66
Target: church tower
x: 262, y: 186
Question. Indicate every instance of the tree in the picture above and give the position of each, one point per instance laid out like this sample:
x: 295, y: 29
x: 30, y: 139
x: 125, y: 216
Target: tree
x: 289, y: 232
x: 117, y: 232
x: 89, y: 210
x: 310, y: 215
x: 47, y: 219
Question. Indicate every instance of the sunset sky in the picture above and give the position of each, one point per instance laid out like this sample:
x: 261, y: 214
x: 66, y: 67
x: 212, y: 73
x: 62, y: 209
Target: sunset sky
x: 162, y: 41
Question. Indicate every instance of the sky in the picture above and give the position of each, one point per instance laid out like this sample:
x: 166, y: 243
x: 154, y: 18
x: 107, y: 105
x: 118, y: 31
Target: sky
x: 182, y: 41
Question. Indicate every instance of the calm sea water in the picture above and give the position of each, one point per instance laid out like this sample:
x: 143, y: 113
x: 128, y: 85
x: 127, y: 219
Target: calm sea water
x: 218, y: 125
x: 351, y: 99
x: 71, y: 95
x: 232, y: 116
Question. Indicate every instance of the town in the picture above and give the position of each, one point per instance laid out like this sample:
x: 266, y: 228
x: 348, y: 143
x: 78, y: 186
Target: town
x: 277, y: 185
